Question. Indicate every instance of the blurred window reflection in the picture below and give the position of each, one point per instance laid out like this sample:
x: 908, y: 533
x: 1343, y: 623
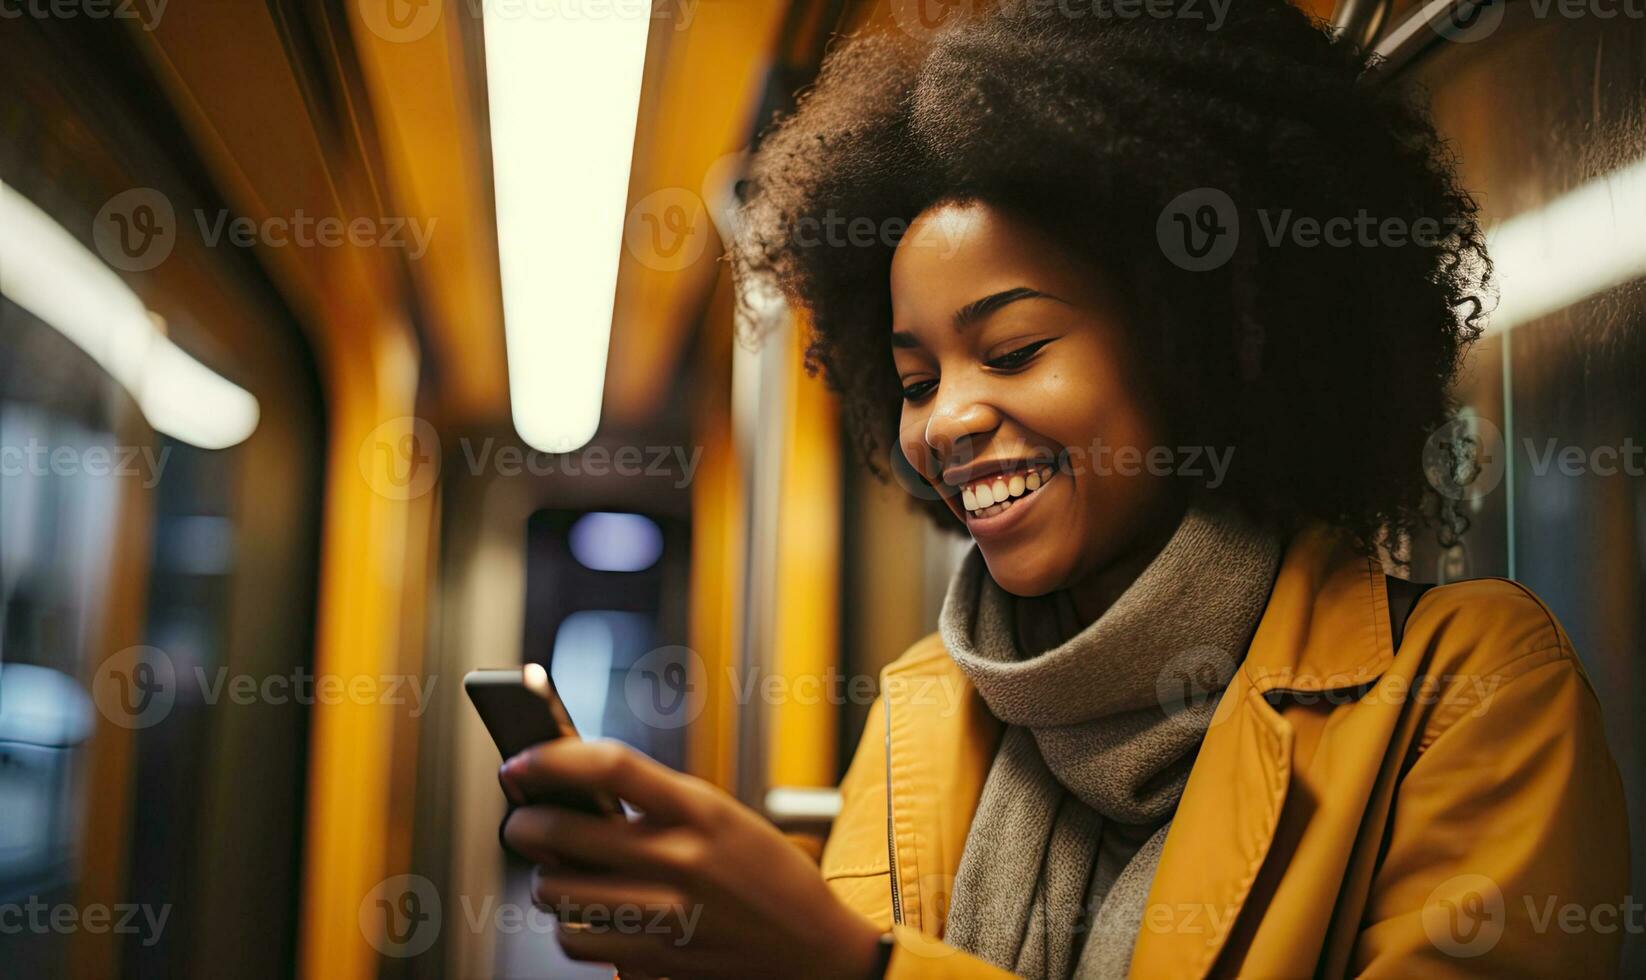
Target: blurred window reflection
x: 616, y: 542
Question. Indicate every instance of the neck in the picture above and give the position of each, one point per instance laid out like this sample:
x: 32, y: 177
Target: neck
x: 1046, y: 621
x: 1095, y: 592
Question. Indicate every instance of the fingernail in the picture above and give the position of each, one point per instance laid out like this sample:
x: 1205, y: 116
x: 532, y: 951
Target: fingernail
x: 505, y: 780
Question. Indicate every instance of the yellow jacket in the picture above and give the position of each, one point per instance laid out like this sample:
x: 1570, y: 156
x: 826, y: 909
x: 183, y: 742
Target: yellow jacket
x: 1446, y: 809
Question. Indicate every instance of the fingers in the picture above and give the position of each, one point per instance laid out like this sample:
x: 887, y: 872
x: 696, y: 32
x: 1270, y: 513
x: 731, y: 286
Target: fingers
x: 633, y: 954
x: 629, y: 903
x: 610, y: 767
x: 556, y: 836
x: 644, y: 958
x: 644, y: 955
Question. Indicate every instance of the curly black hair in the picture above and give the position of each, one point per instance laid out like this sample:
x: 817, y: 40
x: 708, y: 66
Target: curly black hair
x: 1326, y: 368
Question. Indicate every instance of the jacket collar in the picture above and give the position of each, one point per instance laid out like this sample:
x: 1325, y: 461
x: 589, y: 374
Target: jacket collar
x: 1327, y: 622
x: 1326, y: 627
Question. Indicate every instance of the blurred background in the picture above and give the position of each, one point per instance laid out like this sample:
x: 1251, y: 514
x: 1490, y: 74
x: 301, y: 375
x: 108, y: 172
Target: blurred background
x: 349, y: 345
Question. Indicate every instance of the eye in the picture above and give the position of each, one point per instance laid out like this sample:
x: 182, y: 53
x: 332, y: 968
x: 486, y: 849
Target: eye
x: 1017, y: 358
x: 918, y: 390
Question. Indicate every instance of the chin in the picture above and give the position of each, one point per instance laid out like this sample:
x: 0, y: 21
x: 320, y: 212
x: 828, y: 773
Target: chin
x: 1024, y: 575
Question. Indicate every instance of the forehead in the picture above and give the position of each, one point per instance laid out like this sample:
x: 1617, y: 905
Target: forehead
x: 953, y: 254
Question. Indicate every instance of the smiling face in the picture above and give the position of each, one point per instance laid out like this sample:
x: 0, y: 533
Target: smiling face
x: 1019, y: 386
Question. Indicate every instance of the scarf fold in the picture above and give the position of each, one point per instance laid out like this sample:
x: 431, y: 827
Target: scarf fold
x: 1102, y: 730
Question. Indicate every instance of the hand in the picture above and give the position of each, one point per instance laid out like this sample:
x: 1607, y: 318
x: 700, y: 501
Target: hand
x: 700, y: 886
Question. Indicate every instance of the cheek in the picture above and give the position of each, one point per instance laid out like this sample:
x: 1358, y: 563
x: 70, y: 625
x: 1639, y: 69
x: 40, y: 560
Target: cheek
x: 1079, y: 401
x: 1091, y: 410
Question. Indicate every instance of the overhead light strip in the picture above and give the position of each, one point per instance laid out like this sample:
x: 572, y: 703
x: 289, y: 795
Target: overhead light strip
x: 564, y: 97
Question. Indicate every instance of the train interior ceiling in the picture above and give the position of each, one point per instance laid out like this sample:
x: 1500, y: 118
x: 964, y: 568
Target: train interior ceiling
x: 285, y: 457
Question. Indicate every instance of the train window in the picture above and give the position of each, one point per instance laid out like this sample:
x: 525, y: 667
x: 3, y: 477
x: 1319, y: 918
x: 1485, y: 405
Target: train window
x: 160, y: 437
x: 1544, y: 110
x: 601, y: 617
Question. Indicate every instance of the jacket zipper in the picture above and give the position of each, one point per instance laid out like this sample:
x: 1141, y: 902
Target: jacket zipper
x: 891, y: 836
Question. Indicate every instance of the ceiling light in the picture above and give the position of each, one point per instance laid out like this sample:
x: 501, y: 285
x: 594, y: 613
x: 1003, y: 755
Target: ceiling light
x: 48, y: 272
x: 564, y: 94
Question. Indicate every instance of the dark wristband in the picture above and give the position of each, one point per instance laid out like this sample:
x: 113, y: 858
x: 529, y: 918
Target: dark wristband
x: 888, y: 942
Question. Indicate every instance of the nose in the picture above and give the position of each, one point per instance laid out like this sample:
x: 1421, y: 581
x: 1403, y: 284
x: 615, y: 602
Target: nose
x: 956, y: 427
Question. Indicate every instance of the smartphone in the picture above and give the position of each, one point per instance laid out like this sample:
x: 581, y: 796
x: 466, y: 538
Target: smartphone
x: 521, y: 708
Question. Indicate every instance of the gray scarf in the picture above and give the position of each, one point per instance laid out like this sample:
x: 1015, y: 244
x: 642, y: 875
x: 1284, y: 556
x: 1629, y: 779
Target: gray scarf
x: 1102, y: 730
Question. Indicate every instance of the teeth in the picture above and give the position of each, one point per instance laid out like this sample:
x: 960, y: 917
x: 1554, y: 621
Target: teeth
x: 985, y: 499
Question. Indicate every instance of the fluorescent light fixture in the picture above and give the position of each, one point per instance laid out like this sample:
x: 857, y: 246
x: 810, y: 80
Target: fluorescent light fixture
x: 46, y: 270
x: 564, y: 96
x: 1580, y: 245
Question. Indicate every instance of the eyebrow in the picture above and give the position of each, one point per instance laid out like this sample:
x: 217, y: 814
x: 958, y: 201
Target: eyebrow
x: 976, y: 310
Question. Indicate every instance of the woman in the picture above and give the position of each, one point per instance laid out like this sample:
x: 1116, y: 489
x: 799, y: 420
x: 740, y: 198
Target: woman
x: 1175, y: 721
